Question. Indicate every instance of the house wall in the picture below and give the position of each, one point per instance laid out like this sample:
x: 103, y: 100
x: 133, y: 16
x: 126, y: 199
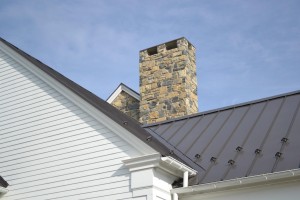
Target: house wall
x: 52, y: 149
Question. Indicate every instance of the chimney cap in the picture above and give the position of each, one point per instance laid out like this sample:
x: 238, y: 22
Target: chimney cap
x: 168, y: 42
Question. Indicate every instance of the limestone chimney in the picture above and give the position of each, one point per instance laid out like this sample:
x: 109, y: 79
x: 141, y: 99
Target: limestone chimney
x: 168, y: 81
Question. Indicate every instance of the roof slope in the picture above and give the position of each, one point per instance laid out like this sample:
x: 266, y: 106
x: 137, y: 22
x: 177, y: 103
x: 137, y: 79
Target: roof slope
x: 120, y: 118
x: 238, y: 141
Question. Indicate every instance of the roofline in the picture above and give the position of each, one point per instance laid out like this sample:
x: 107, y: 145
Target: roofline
x: 168, y: 42
x: 257, y: 181
x: 99, y: 104
x: 119, y: 89
x: 225, y: 108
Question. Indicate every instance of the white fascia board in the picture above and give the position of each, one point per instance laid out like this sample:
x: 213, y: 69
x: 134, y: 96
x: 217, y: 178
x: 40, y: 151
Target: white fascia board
x: 142, y: 162
x: 114, y: 95
x: 121, y: 88
x: 270, y: 178
x: 132, y: 140
x: 167, y: 164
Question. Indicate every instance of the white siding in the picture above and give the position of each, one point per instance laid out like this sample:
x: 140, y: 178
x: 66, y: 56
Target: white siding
x: 52, y: 149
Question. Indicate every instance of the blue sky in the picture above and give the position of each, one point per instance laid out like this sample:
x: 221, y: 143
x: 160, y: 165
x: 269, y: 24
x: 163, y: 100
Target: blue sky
x: 245, y: 49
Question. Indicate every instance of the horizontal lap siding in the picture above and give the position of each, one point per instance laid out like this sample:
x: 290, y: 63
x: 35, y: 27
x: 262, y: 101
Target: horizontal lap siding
x: 50, y: 148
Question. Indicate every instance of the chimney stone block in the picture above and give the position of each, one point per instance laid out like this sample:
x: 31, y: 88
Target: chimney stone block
x: 168, y: 77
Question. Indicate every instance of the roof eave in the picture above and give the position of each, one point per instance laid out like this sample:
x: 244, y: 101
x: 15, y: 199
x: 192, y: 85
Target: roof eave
x: 243, y: 182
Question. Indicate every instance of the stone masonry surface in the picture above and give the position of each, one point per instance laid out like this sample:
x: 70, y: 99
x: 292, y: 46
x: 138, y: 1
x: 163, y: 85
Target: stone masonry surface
x: 168, y: 83
x: 127, y: 104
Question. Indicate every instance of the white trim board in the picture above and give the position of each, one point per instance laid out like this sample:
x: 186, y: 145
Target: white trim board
x: 119, y: 89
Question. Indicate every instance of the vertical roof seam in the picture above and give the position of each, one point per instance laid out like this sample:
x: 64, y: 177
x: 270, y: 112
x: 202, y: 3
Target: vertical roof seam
x: 254, y: 124
x: 217, y: 132
x: 250, y: 132
x: 169, y: 125
x: 232, y: 133
x: 265, y: 138
x: 201, y: 133
x: 190, y: 130
x: 207, y: 171
x: 272, y: 124
x: 293, y: 120
x: 180, y: 127
x: 283, y: 144
x: 237, y: 152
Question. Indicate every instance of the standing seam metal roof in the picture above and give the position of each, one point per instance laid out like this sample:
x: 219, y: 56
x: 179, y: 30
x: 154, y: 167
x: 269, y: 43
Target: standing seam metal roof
x: 247, y: 139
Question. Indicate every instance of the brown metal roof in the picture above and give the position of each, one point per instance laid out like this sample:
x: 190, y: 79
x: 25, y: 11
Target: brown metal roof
x: 120, y: 118
x: 253, y: 138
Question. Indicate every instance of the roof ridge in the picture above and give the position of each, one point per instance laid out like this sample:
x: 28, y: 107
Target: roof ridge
x: 130, y: 88
x: 225, y: 108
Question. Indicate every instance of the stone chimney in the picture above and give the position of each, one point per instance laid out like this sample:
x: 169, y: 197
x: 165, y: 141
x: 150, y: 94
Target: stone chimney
x: 168, y: 81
